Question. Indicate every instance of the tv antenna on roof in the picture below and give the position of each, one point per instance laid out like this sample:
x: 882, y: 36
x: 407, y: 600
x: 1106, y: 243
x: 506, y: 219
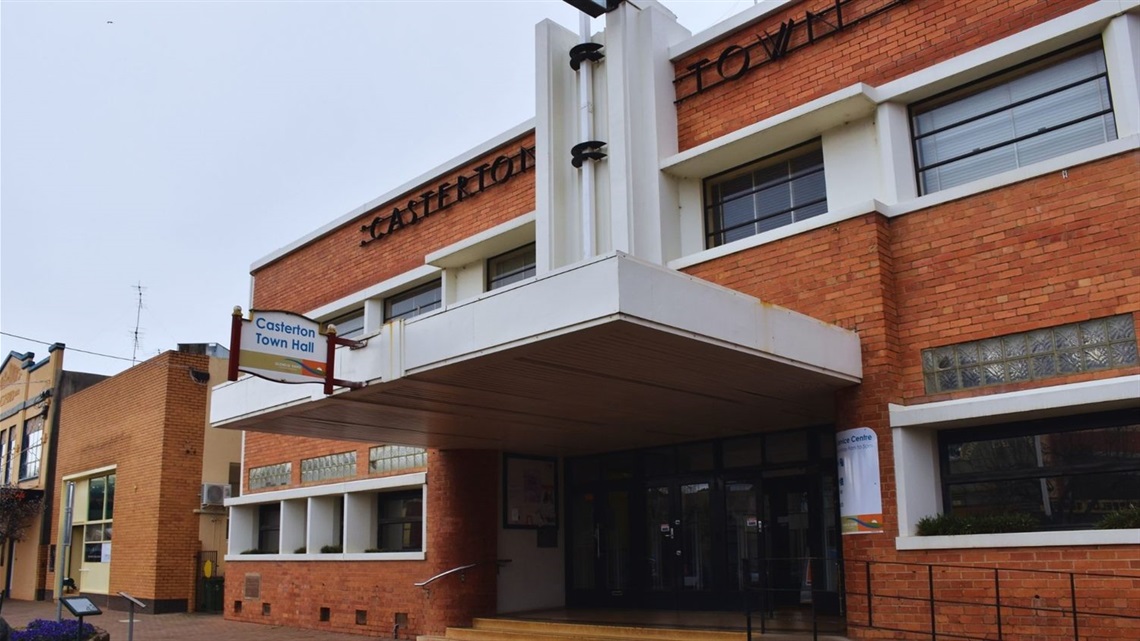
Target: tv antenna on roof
x: 137, y: 334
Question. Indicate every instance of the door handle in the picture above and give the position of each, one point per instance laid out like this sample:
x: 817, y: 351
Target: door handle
x: 597, y: 542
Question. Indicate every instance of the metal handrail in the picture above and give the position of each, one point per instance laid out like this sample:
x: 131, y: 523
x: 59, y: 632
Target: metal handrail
x: 424, y: 584
x: 1058, y: 592
x: 765, y: 590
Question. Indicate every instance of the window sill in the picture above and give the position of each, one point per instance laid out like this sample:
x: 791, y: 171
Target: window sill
x: 1013, y: 176
x: 772, y: 235
x: 344, y: 556
x: 1019, y: 540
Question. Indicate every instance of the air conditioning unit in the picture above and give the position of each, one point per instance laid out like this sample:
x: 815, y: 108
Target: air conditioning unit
x: 215, y: 493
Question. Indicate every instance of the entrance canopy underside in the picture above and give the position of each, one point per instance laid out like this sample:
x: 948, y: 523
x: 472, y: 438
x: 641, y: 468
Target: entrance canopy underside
x: 608, y: 355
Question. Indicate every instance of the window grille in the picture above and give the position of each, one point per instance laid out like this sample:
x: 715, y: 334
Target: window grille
x: 1051, y: 106
x: 772, y: 192
x: 511, y: 267
x: 414, y: 302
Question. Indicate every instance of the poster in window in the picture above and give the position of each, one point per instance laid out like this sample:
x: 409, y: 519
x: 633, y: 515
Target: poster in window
x: 530, y: 492
x: 860, y: 497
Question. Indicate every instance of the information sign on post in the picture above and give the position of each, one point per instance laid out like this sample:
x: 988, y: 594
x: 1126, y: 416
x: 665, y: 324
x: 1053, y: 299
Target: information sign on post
x: 860, y: 496
x: 285, y: 348
x: 80, y: 606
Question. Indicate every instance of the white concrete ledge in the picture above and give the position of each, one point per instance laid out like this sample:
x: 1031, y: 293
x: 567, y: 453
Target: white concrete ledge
x: 787, y: 128
x: 497, y: 240
x: 1055, y: 400
x: 1019, y: 540
x: 1005, y: 178
x: 779, y: 233
x: 345, y: 556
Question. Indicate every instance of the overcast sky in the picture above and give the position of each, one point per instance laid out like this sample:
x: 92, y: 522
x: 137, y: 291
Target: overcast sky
x: 171, y: 144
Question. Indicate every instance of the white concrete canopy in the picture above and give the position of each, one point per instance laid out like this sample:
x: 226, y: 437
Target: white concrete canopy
x: 607, y: 354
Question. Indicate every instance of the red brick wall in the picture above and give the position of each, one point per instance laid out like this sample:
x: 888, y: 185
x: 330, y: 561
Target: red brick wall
x: 1036, y: 604
x: 893, y: 44
x: 270, y: 449
x: 463, y: 526
x: 149, y: 421
x: 1048, y: 251
x: 336, y: 265
x: 295, y: 591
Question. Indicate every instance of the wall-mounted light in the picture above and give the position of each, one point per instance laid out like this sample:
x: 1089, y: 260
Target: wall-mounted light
x: 594, y: 8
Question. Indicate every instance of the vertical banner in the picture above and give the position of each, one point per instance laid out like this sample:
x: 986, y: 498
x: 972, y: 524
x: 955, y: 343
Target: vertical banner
x: 860, y: 497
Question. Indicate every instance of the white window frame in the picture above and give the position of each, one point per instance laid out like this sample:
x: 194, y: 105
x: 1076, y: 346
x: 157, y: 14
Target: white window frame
x: 715, y: 231
x: 918, y: 473
x: 967, y: 139
x: 304, y: 508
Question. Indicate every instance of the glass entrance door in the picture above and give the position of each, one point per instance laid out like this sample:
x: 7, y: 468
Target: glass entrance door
x: 679, y: 540
x: 600, y: 557
x: 700, y: 526
x: 786, y: 542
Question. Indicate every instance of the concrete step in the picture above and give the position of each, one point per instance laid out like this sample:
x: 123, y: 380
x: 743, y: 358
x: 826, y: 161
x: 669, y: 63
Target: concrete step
x: 526, y: 630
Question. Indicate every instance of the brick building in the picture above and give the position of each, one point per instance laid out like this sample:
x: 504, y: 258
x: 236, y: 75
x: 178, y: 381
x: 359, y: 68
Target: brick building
x: 31, y: 395
x: 142, y: 463
x: 793, y: 285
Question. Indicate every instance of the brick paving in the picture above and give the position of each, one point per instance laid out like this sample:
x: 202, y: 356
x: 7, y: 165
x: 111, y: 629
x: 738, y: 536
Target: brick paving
x: 173, y: 627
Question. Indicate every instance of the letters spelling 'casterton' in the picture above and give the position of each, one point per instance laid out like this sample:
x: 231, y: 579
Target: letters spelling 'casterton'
x: 446, y: 194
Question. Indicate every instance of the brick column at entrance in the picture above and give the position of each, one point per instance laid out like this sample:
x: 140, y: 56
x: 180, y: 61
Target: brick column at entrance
x: 463, y: 523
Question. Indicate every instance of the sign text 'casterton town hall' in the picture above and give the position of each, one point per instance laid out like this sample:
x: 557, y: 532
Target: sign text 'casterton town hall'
x: 446, y: 194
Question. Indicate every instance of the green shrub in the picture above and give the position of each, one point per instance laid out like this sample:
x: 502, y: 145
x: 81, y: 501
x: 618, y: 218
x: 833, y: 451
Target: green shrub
x: 372, y: 550
x: 331, y: 549
x: 255, y: 551
x: 953, y: 524
x: 300, y: 550
x: 1124, y: 519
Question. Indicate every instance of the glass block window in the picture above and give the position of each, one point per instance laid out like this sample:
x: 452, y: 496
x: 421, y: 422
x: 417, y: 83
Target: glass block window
x: 392, y: 458
x: 1102, y: 343
x: 772, y: 192
x: 332, y: 466
x: 1046, y: 108
x: 270, y: 475
x: 414, y: 302
x: 511, y: 267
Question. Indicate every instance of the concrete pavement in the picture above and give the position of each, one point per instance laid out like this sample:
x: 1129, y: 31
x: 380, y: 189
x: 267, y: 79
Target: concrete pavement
x: 172, y: 627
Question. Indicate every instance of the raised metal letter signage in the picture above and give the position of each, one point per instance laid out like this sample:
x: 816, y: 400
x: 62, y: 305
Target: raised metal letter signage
x: 736, y: 60
x: 447, y: 194
x: 284, y: 347
x: 860, y: 497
